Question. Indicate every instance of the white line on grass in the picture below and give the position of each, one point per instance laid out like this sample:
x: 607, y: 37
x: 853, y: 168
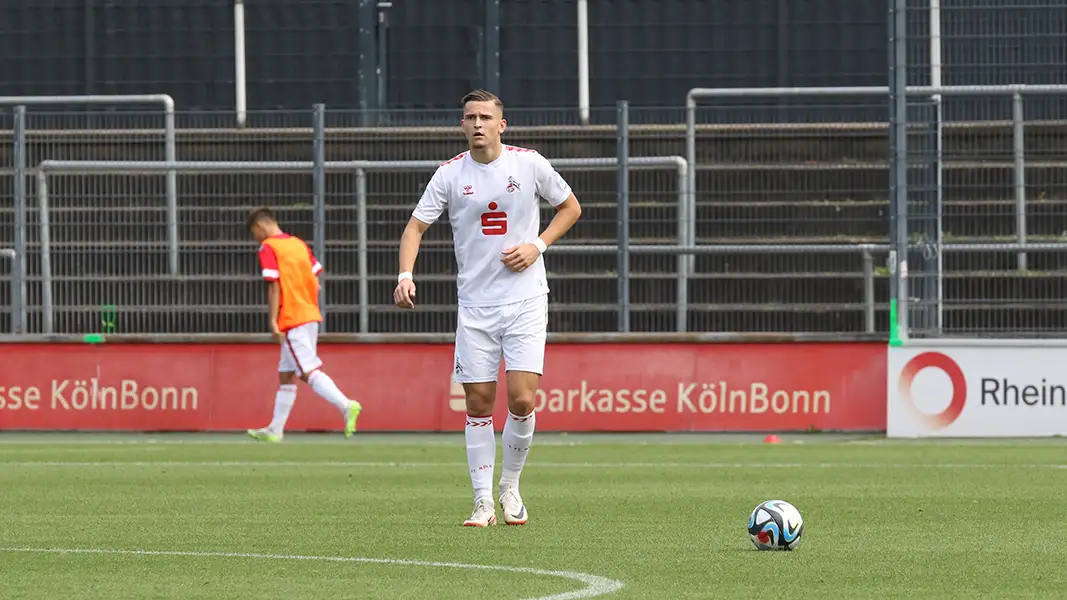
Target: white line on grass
x: 538, y: 465
x: 594, y: 584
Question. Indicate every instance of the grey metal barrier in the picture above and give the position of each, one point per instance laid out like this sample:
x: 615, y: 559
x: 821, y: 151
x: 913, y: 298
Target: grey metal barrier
x: 359, y: 168
x: 917, y: 170
x: 169, y: 144
x: 865, y: 250
x: 1015, y: 91
x: 17, y: 290
x: 901, y: 329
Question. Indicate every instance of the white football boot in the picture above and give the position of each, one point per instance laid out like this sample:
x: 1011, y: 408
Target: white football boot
x: 484, y: 515
x: 514, y: 509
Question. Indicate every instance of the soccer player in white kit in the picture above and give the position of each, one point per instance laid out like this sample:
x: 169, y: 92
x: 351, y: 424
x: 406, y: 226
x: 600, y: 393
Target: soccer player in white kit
x: 491, y: 194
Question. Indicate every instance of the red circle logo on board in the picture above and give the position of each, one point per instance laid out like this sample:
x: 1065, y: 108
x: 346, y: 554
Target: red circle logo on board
x: 934, y: 360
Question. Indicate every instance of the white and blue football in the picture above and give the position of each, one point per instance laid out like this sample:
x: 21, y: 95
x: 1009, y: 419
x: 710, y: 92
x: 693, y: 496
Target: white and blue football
x: 775, y: 525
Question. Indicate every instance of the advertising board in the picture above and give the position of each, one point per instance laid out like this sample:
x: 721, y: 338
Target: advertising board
x: 408, y: 387
x: 978, y: 391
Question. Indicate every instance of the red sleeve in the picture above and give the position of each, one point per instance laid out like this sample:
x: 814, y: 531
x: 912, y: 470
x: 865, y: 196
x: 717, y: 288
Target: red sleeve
x: 316, y: 266
x: 268, y: 262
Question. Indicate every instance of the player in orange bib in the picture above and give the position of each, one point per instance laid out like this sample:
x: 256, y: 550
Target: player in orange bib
x: 291, y: 272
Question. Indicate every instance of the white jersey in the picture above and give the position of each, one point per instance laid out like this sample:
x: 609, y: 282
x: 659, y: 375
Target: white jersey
x: 492, y: 207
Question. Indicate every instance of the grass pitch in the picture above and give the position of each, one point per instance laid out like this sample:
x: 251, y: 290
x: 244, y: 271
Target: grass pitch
x: 212, y: 516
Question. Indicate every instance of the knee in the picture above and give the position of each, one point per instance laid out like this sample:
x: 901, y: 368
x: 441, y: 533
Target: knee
x: 480, y: 400
x: 522, y: 403
x: 287, y: 378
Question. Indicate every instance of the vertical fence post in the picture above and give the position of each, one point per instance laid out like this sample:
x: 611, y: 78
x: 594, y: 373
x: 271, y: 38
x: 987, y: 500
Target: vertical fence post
x: 491, y: 51
x: 899, y: 132
x: 239, y: 78
x: 15, y: 290
x: 368, y: 62
x: 622, y: 141
x: 18, y: 264
x: 583, y: 61
x: 45, y: 236
x: 1018, y: 160
x: 361, y: 257
x: 383, y: 62
x: 318, y: 202
x: 170, y: 150
x: 939, y: 115
x: 689, y: 210
x: 868, y: 288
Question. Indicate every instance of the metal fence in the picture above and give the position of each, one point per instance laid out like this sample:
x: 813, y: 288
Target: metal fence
x: 978, y: 161
x: 15, y: 289
x: 107, y: 251
x: 933, y: 205
x: 783, y: 232
x: 113, y: 260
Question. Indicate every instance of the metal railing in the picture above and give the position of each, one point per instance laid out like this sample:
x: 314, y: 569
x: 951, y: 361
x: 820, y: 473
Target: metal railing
x: 18, y: 290
x: 358, y: 168
x: 1015, y: 91
x: 918, y: 168
x: 169, y: 149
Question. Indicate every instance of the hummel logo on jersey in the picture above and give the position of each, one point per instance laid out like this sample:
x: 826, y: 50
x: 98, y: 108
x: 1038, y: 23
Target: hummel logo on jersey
x: 468, y: 190
x: 513, y: 185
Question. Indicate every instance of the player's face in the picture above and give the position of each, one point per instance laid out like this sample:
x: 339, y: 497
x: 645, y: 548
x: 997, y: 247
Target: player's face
x: 482, y: 124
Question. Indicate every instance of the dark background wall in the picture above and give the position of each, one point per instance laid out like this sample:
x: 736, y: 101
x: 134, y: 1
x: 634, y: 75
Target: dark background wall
x: 649, y: 52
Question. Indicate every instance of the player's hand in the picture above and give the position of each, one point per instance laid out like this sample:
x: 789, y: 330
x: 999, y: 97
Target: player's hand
x: 519, y: 258
x: 275, y: 332
x: 404, y: 294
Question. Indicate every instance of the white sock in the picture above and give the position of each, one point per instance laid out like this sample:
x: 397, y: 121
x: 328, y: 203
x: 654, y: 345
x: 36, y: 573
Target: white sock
x: 481, y: 455
x: 516, y: 440
x: 327, y: 389
x: 283, y: 403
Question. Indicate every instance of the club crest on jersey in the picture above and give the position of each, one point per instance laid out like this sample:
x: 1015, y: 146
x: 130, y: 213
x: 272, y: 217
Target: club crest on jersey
x: 513, y: 185
x: 468, y: 190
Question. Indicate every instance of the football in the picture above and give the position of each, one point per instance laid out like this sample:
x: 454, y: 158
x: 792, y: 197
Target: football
x: 775, y: 525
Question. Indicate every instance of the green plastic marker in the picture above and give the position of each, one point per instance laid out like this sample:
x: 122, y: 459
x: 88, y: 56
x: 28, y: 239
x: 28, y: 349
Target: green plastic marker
x: 894, y: 327
x: 108, y: 317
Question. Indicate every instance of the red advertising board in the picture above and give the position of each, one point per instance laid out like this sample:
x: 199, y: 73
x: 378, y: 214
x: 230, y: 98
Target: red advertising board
x: 407, y: 387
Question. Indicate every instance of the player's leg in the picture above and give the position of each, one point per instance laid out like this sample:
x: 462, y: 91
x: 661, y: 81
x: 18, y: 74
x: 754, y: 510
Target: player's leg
x: 303, y: 343
x: 477, y: 362
x: 524, y: 357
x: 283, y: 399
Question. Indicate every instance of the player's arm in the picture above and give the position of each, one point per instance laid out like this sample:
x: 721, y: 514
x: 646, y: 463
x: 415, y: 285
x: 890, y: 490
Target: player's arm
x: 432, y: 204
x: 567, y: 214
x: 410, y: 242
x: 551, y: 186
x: 274, y: 303
x: 268, y: 263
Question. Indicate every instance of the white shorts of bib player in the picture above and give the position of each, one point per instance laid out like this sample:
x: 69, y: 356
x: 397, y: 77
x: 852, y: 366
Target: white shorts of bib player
x: 299, y: 350
x: 491, y: 194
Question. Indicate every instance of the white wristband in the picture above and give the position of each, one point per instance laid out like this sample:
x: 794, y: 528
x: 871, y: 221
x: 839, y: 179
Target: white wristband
x: 541, y: 246
x: 403, y: 276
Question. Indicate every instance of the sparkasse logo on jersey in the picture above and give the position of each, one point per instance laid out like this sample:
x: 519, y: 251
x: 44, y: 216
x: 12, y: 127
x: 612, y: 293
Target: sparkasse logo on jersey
x: 1002, y: 391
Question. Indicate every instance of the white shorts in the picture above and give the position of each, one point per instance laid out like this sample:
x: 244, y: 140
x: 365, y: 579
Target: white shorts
x: 515, y: 331
x: 299, y: 350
